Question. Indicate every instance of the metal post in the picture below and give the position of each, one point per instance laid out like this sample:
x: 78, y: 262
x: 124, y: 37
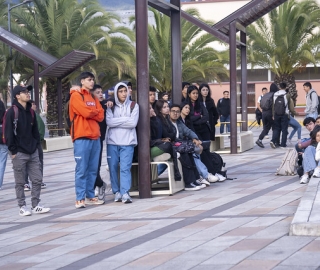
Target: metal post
x: 176, y: 53
x: 233, y: 87
x: 59, y: 90
x: 244, y: 95
x: 10, y: 55
x: 36, y: 84
x: 141, y: 9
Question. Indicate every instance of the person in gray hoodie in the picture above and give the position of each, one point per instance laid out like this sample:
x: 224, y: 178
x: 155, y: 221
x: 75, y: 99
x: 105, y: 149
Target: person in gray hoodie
x: 122, y: 120
x: 312, y: 101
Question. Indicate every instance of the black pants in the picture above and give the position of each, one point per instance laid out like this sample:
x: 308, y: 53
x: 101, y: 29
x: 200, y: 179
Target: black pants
x: 280, y: 126
x: 207, y: 161
x: 203, y: 132
x: 189, y: 169
x: 99, y: 181
x: 267, y: 124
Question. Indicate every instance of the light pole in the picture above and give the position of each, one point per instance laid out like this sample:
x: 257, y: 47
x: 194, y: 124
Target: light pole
x: 10, y: 49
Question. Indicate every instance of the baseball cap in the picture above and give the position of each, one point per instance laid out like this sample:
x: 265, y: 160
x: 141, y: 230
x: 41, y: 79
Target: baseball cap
x: 19, y: 88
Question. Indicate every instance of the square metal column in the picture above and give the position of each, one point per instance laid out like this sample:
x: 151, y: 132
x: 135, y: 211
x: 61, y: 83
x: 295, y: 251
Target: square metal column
x: 244, y: 96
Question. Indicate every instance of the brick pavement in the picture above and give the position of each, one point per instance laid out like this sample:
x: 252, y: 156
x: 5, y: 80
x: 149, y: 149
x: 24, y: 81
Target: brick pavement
x: 239, y: 224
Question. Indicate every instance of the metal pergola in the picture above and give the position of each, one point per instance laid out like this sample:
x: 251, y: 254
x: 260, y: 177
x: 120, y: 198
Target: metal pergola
x: 225, y: 30
x: 58, y: 68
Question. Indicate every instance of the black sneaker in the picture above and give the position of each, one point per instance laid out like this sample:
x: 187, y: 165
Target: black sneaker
x: 191, y: 187
x: 260, y: 144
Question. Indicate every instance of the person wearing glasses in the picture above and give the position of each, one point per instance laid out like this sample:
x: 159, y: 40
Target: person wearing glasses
x: 22, y: 138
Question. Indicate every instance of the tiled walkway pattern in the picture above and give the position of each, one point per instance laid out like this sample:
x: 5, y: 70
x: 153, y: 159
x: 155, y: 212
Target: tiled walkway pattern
x: 238, y: 224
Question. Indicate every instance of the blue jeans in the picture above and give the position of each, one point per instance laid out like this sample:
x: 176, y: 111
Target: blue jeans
x: 86, y: 155
x: 224, y: 119
x: 296, y: 127
x: 3, y: 161
x: 309, y: 162
x: 202, y: 169
x: 313, y: 115
x: 161, y: 168
x: 120, y: 154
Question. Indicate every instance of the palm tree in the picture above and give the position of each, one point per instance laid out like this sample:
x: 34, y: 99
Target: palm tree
x: 59, y: 26
x: 285, y: 40
x: 200, y: 61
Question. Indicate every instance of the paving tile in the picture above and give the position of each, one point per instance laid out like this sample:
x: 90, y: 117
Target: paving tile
x: 295, y: 267
x: 244, y: 231
x: 154, y: 259
x: 18, y: 266
x: 212, y: 266
x: 229, y: 257
x: 250, y: 244
x: 313, y: 246
x: 303, y: 259
x: 256, y: 264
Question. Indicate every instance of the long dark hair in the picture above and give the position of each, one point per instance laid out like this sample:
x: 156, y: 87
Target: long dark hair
x: 208, y: 97
x: 157, y: 109
x: 313, y: 134
x: 197, y: 105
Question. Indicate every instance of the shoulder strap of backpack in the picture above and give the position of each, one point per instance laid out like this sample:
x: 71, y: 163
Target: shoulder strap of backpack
x: 15, y: 120
x: 132, y: 105
x: 74, y: 115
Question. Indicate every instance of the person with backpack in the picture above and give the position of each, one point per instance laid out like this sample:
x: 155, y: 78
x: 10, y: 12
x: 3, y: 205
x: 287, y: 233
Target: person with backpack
x: 312, y: 101
x: 281, y: 109
x: 85, y: 112
x: 267, y: 120
x: 3, y: 146
x: 122, y: 120
x: 258, y: 109
x: 22, y: 138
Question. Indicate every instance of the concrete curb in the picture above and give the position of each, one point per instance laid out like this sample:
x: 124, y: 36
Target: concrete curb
x: 306, y: 220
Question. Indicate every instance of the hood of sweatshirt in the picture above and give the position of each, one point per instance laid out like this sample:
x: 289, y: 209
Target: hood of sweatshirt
x: 116, y: 88
x: 273, y: 88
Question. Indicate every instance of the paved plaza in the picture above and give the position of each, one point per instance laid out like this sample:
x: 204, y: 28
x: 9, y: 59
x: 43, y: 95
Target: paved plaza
x: 238, y: 224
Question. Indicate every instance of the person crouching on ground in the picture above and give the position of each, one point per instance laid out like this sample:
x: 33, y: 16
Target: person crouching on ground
x: 122, y: 120
x: 85, y: 112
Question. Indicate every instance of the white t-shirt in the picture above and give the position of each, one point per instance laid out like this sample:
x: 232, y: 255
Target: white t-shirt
x: 259, y: 98
x: 176, y: 126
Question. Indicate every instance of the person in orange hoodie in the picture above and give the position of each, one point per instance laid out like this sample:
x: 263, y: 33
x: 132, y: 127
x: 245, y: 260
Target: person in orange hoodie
x: 85, y: 112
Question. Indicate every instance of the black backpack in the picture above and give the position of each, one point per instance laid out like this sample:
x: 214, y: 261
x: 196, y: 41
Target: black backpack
x: 217, y: 162
x: 266, y: 102
x: 280, y: 105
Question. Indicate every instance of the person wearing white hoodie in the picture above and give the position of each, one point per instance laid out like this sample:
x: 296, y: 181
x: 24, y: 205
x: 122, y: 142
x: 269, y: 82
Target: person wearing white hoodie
x: 122, y: 120
x: 281, y: 109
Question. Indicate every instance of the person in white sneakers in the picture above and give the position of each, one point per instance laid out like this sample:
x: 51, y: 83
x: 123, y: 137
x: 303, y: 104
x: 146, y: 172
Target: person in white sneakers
x: 310, y: 162
x: 22, y: 138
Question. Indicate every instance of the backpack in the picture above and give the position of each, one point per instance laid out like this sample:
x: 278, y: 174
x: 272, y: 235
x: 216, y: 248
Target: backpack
x: 15, y: 121
x: 66, y: 117
x: 132, y: 105
x: 280, y: 105
x: 217, y: 162
x: 266, y: 102
x: 289, y: 163
x: 318, y: 108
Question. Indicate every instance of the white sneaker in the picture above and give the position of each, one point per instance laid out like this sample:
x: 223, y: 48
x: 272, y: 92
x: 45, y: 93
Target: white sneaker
x: 221, y: 177
x: 24, y: 211
x: 40, y: 209
x: 199, y: 184
x: 178, y: 155
x: 192, y: 187
x: 266, y: 137
x: 289, y: 141
x: 162, y: 157
x: 212, y: 178
x: 304, y: 179
x: 93, y: 201
x: 316, y: 172
x: 204, y: 181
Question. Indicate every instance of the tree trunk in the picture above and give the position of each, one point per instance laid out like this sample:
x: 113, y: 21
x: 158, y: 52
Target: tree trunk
x: 290, y: 80
x: 52, y: 105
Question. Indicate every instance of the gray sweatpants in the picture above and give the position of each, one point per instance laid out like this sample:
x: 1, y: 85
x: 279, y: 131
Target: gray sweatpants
x: 22, y: 164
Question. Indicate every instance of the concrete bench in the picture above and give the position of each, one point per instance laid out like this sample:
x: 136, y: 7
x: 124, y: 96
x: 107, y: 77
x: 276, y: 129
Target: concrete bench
x: 56, y: 143
x: 245, y: 140
x: 159, y: 186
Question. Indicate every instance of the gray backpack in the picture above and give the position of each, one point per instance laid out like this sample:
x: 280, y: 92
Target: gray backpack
x: 289, y: 163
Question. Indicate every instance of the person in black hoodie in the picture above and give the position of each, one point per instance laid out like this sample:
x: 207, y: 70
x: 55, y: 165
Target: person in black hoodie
x: 223, y: 108
x: 22, y: 138
x: 97, y: 92
x: 208, y: 102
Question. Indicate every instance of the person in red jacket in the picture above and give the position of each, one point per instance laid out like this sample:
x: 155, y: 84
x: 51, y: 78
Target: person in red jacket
x: 85, y: 113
